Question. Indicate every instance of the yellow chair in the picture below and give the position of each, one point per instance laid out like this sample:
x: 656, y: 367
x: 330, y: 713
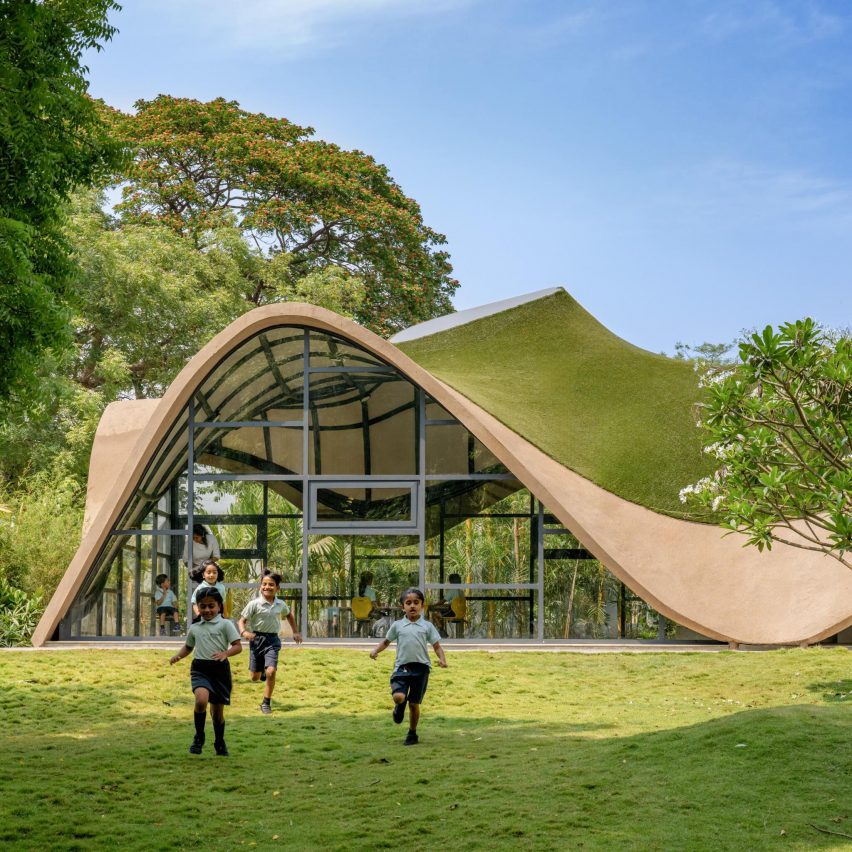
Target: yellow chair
x: 459, y: 607
x: 362, y: 609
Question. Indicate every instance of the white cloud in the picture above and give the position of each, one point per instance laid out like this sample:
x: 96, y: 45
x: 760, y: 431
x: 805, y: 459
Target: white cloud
x: 798, y: 23
x: 294, y: 24
x: 558, y: 29
x: 736, y: 194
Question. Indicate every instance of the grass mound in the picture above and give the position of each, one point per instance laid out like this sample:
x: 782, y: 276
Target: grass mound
x: 540, y: 751
x: 616, y: 414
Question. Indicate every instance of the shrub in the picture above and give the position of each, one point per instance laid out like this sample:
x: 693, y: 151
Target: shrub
x: 19, y: 615
x: 39, y: 533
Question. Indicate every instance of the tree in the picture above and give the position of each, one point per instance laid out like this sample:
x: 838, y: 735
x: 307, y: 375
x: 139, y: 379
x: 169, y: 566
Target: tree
x: 779, y: 421
x: 197, y: 165
x: 150, y: 297
x: 51, y: 139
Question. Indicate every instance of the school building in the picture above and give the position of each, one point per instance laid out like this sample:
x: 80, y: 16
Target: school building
x: 517, y: 460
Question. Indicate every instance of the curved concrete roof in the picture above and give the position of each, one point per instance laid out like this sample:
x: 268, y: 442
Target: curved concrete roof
x: 689, y: 571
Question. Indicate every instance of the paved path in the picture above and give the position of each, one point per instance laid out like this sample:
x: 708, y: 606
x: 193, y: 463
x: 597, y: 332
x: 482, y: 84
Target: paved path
x: 566, y: 647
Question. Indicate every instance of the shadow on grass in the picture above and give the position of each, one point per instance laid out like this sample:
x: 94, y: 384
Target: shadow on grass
x: 331, y: 779
x: 833, y: 691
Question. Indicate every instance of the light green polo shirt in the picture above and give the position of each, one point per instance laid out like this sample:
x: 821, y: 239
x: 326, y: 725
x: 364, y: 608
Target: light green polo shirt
x: 208, y: 637
x: 413, y: 639
x: 220, y: 587
x: 263, y: 616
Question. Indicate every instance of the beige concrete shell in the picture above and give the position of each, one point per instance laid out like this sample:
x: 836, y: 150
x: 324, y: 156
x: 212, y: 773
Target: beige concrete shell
x: 690, y: 572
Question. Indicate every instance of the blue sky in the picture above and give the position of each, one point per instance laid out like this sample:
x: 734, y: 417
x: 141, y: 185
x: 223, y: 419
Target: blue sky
x: 683, y: 168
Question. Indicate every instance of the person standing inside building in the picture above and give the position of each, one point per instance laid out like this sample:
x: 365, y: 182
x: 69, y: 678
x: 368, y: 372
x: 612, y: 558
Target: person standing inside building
x: 204, y: 548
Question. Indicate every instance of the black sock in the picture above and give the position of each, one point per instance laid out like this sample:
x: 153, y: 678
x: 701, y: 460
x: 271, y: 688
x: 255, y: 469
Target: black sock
x: 200, y: 719
x: 219, y: 731
x: 266, y: 700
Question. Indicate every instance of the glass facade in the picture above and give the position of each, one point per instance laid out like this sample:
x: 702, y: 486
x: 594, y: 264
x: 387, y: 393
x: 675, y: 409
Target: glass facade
x: 306, y: 455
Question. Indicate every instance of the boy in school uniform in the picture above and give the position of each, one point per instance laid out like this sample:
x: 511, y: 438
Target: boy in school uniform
x: 166, y: 601
x: 259, y: 623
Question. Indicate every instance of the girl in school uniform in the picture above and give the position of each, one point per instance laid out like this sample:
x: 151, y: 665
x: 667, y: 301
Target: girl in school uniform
x: 413, y: 635
x: 259, y: 623
x: 214, y: 639
x: 212, y: 576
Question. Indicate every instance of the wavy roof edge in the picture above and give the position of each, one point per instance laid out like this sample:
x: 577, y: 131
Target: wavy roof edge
x: 448, y: 321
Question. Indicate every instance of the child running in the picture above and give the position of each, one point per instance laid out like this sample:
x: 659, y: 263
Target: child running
x: 214, y: 639
x: 259, y: 623
x: 413, y: 635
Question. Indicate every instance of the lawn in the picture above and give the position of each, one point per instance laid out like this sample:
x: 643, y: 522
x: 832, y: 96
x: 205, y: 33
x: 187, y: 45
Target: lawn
x: 731, y: 750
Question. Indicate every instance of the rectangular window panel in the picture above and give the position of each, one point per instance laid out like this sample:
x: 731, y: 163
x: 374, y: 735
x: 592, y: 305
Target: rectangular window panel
x: 340, y: 503
x: 452, y: 449
x: 284, y: 548
x: 248, y: 449
x: 582, y: 599
x: 362, y: 424
x: 345, y: 572
x: 456, y: 500
x: 487, y: 614
x: 485, y: 550
x: 237, y: 497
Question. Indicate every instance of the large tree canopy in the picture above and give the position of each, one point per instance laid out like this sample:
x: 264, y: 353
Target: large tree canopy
x: 51, y: 140
x: 148, y: 297
x: 780, y: 423
x: 199, y: 165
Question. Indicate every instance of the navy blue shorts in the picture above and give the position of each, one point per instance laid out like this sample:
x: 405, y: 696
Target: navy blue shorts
x: 411, y: 679
x: 215, y: 677
x: 263, y: 651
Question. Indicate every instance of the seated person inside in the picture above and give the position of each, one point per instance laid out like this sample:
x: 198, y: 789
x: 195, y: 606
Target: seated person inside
x: 442, y: 611
x: 365, y: 606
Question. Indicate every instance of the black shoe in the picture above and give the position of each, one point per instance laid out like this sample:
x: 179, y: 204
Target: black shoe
x: 265, y: 708
x: 221, y: 749
x: 263, y: 676
x: 399, y: 712
x: 411, y: 738
x: 197, y: 745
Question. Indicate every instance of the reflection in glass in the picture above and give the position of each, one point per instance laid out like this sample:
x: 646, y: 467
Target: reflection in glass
x: 452, y: 449
x: 330, y: 351
x: 341, y: 504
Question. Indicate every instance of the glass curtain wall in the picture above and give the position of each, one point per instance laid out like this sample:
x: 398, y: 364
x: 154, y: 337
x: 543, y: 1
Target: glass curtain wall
x: 303, y: 454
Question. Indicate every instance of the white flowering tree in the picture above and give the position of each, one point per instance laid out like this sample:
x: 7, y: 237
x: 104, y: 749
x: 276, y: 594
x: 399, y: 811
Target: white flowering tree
x: 779, y: 422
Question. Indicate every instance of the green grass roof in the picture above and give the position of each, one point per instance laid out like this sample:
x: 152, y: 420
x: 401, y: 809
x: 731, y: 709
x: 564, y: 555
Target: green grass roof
x: 618, y: 415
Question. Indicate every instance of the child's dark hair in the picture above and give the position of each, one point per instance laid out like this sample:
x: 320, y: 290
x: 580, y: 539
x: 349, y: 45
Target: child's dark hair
x: 413, y: 590
x: 209, y: 592
x: 220, y: 574
x: 276, y: 578
x: 455, y: 579
x: 159, y: 579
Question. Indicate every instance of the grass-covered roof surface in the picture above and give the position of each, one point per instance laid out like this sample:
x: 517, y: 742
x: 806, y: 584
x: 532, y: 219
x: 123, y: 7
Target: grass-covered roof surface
x: 616, y: 414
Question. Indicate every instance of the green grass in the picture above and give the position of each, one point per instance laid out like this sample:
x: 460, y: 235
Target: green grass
x: 616, y: 414
x: 533, y: 751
